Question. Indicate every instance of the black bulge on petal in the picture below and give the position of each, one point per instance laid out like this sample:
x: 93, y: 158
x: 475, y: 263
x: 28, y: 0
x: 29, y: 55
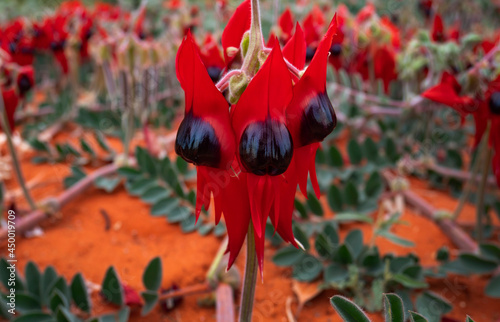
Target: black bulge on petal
x: 318, y: 120
x: 24, y: 84
x: 197, y: 143
x: 336, y: 50
x: 495, y: 103
x: 310, y: 53
x: 214, y: 73
x: 266, y: 147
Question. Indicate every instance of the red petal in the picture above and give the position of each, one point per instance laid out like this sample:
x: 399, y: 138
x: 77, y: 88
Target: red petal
x: 235, y: 28
x: 10, y: 101
x: 267, y: 94
x: 203, y: 98
x: 132, y: 298
x: 210, y: 53
x: 236, y: 209
x: 438, y: 29
x: 295, y: 49
x: 286, y: 24
x: 306, y: 155
x: 385, y: 66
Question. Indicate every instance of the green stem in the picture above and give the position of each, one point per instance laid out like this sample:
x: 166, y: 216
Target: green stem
x: 473, y: 178
x: 15, y: 160
x: 249, y: 279
x: 255, y: 44
x: 486, y: 160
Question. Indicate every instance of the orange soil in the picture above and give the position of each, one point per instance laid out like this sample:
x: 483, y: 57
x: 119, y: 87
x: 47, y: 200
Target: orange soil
x: 77, y: 241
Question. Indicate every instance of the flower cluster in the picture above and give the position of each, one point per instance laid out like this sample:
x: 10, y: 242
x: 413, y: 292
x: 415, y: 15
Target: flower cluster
x: 253, y: 136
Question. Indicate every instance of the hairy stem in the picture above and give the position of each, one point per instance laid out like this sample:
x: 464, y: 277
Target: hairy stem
x: 15, y: 160
x: 256, y: 43
x: 249, y: 279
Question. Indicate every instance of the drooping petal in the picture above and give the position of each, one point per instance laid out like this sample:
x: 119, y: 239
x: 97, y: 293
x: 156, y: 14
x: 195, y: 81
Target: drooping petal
x: 10, y: 101
x: 285, y: 22
x: 385, y: 66
x: 295, y: 49
x: 310, y: 115
x: 235, y: 28
x: 205, y: 135
x: 438, y: 33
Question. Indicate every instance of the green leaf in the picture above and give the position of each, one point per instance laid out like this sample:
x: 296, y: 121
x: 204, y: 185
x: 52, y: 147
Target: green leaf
x: 408, y: 282
x: 33, y: 279
x: 391, y: 150
x: 49, y: 279
x: 355, y: 242
x: 415, y: 317
x: 154, y: 194
x: 150, y: 300
x: 490, y: 251
x: 181, y: 165
x: 335, y: 157
x: 164, y: 206
x: 351, y: 216
x: 355, y: 152
x: 335, y: 198
x: 79, y: 293
x: 300, y: 208
x: 349, y: 311
x: 307, y: 269
x: 301, y: 237
x: 108, y: 184
x: 39, y: 145
x: 129, y: 173
x: 468, y: 319
x: 288, y: 256
x: 57, y: 299
x: 395, y: 239
x: 394, y: 308
x: 64, y: 315
x: 61, y: 285
x: 152, y: 275
x: 323, y: 246
x: 351, y: 195
x: 101, y: 140
x: 146, y: 162
x: 432, y: 306
x: 204, y: 229
x: 370, y: 150
x: 178, y: 214
x: 112, y: 289
x: 493, y: 287
x: 35, y: 316
x: 87, y: 148
x: 314, y: 205
x: 477, y: 264
x: 374, y: 186
x: 331, y: 232
x: 335, y: 273
x: 139, y: 186
x: 26, y: 303
x: 344, y: 254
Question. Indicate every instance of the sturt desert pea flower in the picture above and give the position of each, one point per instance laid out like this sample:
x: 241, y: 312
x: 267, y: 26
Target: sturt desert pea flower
x: 264, y: 143
x: 285, y: 23
x: 310, y: 114
x: 10, y: 101
x: 234, y: 31
x: 211, y: 57
x: 25, y: 80
x: 439, y: 34
x: 448, y: 92
x: 205, y: 137
x: 313, y: 23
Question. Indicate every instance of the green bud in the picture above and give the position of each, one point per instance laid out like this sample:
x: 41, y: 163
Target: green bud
x: 237, y: 85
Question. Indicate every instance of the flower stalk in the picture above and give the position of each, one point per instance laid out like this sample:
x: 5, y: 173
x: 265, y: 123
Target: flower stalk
x: 15, y: 160
x: 249, y: 279
x: 256, y: 44
x: 486, y: 155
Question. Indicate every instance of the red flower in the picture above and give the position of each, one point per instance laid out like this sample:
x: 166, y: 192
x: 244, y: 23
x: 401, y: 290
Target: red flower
x: 385, y: 66
x: 25, y: 80
x: 285, y: 23
x: 447, y: 92
x: 310, y: 115
x: 211, y: 57
x: 235, y: 28
x: 439, y: 33
x: 205, y: 136
x: 366, y: 13
x: 265, y: 146
x: 10, y: 101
